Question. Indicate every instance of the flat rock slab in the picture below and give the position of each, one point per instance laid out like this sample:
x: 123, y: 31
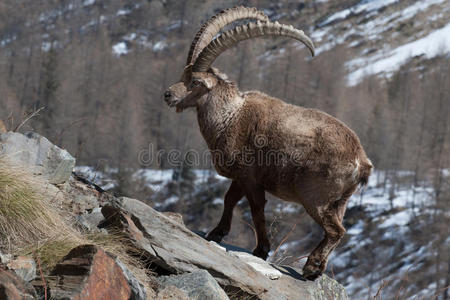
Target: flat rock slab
x: 38, y: 153
x: 88, y: 272
x: 176, y: 250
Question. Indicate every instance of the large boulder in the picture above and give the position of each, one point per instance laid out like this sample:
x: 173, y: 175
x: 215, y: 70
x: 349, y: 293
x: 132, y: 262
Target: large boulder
x: 36, y: 152
x: 176, y: 250
x: 88, y: 272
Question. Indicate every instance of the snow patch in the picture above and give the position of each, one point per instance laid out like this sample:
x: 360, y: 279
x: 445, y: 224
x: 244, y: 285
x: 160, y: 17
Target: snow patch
x: 88, y: 2
x: 217, y: 201
x: 120, y: 49
x: 363, y: 6
x: 122, y: 12
x: 356, y: 229
x: 171, y: 200
x: 46, y: 46
x: 130, y: 37
x: 159, y: 46
x: 401, y: 218
x: 8, y: 40
x: 412, y: 10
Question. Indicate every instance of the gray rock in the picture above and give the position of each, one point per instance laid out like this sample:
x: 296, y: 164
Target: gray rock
x: 198, y: 285
x: 84, y: 203
x: 137, y: 289
x: 171, y: 293
x: 173, y: 247
x: 90, y: 221
x: 35, y: 151
x: 23, y: 266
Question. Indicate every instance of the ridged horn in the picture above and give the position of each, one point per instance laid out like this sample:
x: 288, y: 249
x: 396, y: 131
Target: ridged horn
x: 213, y: 26
x: 251, y: 30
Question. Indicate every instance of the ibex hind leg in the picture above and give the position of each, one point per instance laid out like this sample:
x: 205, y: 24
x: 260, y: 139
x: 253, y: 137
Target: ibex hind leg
x: 232, y: 197
x: 330, y: 219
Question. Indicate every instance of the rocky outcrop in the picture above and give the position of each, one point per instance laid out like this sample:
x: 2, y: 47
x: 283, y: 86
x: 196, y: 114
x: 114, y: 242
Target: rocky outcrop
x: 175, y: 249
x: 34, y: 151
x: 181, y: 263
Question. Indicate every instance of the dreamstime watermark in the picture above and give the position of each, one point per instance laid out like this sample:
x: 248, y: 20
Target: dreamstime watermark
x: 261, y: 153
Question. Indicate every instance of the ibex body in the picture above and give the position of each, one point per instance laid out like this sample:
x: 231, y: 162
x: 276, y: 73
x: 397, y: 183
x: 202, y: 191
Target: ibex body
x: 264, y: 144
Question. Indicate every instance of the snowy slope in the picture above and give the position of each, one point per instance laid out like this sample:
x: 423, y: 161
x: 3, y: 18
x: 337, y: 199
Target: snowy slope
x: 431, y: 45
x: 385, y: 34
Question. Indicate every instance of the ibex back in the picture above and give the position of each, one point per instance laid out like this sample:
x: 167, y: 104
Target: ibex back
x: 264, y: 144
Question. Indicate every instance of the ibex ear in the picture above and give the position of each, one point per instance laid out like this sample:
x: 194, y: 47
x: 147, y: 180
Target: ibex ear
x: 207, y: 82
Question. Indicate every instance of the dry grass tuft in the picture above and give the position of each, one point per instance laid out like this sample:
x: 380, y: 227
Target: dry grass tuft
x: 30, y: 224
x: 51, y: 251
x: 24, y: 214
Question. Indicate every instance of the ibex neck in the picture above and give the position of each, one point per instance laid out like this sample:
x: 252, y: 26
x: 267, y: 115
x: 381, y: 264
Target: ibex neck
x: 217, y: 113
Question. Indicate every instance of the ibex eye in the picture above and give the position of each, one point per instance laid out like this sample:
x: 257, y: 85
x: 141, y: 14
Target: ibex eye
x: 195, y: 83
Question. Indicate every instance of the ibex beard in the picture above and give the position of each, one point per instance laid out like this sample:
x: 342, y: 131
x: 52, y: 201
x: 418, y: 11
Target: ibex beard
x: 330, y: 162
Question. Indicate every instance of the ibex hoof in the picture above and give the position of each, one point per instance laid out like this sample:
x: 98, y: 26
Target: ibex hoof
x: 311, y: 274
x: 261, y: 252
x: 313, y: 269
x: 215, y: 236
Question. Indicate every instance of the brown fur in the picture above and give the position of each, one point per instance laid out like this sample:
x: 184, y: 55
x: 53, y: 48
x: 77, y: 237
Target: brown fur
x: 322, y: 161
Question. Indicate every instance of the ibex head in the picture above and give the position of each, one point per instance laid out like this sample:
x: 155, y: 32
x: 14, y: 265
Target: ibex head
x: 198, y: 78
x: 191, y: 87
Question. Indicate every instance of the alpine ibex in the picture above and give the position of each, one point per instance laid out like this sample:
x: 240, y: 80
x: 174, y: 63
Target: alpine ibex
x: 309, y: 157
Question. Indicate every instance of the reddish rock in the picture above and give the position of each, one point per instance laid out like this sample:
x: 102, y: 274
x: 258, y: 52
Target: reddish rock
x: 12, y: 287
x: 88, y: 272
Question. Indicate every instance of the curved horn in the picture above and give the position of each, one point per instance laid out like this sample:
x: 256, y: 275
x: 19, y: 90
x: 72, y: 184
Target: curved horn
x: 212, y: 27
x: 251, y: 30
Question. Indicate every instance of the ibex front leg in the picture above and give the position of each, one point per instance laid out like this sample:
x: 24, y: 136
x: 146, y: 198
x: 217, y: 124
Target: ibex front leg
x: 232, y: 197
x: 257, y: 201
